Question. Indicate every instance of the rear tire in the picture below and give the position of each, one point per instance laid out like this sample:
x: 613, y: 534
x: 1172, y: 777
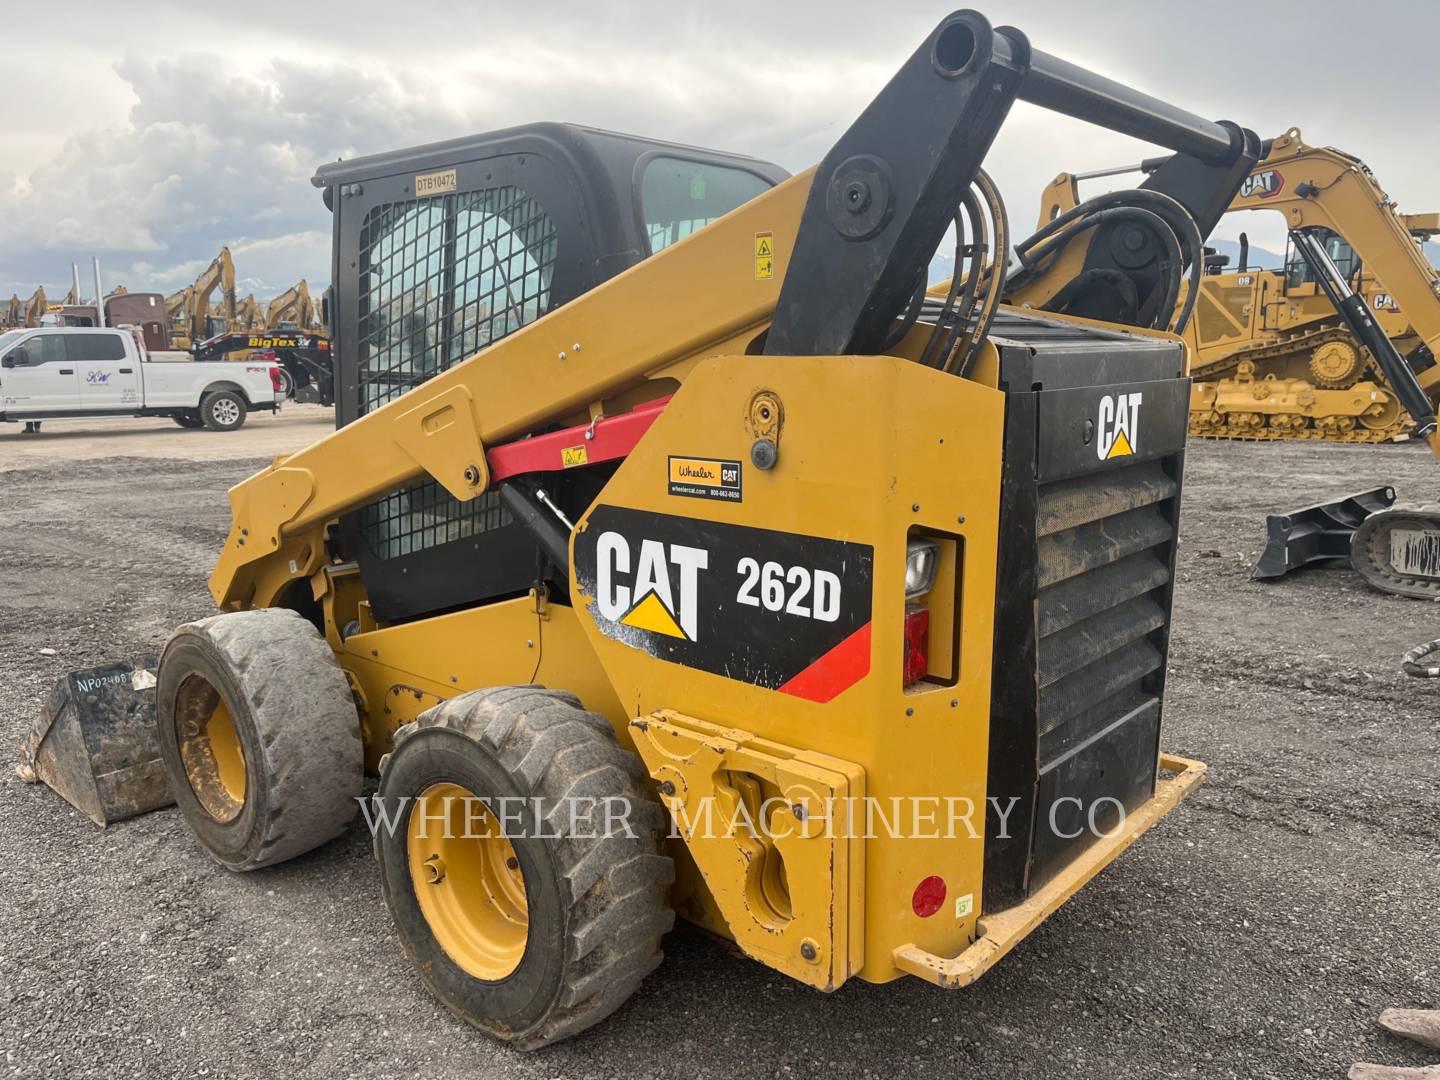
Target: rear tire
x: 592, y: 902
x: 259, y: 734
x: 223, y: 410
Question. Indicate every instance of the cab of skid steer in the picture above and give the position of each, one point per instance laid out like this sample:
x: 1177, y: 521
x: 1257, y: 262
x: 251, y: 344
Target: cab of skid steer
x: 443, y: 249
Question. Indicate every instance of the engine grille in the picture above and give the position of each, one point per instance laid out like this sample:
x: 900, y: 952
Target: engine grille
x: 1104, y: 548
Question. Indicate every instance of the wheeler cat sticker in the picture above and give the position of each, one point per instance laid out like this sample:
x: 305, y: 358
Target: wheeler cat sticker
x: 780, y: 610
x: 1117, y: 426
x: 705, y: 478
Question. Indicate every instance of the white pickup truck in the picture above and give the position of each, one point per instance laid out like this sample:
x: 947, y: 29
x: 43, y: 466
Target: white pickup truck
x: 73, y: 372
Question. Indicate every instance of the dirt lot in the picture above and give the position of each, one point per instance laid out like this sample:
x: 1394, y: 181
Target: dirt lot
x: 1257, y: 932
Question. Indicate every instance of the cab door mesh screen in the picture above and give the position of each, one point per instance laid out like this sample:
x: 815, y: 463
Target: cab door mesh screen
x: 440, y: 279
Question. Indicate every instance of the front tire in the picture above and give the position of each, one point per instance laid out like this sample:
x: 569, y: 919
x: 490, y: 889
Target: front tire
x: 528, y: 935
x: 259, y: 734
x: 223, y: 410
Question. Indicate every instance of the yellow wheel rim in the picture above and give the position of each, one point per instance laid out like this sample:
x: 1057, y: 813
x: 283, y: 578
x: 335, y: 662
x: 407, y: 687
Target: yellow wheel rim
x: 467, y: 880
x: 210, y: 749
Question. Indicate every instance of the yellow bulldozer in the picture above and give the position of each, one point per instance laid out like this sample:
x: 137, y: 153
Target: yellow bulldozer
x: 677, y: 552
x: 1283, y: 353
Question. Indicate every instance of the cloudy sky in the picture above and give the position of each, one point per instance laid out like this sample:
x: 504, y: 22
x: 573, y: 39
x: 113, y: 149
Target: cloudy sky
x: 154, y: 131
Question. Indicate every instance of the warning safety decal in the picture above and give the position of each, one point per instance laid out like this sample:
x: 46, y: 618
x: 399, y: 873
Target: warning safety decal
x: 764, y: 255
x: 780, y: 610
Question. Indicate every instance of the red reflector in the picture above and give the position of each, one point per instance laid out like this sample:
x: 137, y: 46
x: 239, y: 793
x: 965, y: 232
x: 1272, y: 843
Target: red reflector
x: 929, y: 895
x: 917, y: 631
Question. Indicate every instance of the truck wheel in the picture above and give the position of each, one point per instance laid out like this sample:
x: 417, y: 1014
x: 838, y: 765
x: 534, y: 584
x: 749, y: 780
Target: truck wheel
x: 189, y: 420
x: 222, y: 410
x: 525, y: 925
x: 287, y: 384
x: 259, y: 735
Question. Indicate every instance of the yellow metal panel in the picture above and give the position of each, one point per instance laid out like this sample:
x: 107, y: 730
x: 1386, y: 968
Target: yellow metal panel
x: 868, y: 448
x: 404, y: 670
x: 745, y: 807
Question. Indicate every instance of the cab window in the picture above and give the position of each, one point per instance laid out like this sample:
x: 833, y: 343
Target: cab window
x: 94, y: 348
x: 47, y: 349
x: 678, y: 196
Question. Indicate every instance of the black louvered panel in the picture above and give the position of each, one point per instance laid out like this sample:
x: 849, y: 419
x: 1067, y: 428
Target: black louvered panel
x: 1105, y: 542
x: 1083, y: 592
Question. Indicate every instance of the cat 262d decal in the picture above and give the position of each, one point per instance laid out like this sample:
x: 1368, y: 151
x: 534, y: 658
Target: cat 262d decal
x: 775, y: 609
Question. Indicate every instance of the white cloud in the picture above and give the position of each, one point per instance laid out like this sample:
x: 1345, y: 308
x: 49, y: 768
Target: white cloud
x: 155, y: 163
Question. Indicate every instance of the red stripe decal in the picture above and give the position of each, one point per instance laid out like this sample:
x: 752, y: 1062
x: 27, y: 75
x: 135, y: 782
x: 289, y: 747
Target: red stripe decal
x: 606, y: 440
x: 840, y: 668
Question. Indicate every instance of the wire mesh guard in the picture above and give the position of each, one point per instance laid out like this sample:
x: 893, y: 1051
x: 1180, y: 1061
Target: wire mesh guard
x: 440, y: 279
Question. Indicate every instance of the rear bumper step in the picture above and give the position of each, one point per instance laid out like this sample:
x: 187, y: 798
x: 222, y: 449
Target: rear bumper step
x: 1002, y: 931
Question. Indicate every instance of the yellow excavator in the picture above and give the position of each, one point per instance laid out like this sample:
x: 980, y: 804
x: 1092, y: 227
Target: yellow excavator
x: 248, y: 316
x: 14, y: 313
x: 293, y: 309
x: 35, y: 308
x: 176, y: 304
x: 192, y: 321
x: 1275, y: 355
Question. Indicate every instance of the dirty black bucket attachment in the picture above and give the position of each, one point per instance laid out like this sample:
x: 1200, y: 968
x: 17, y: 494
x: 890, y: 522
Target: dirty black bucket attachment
x: 1316, y: 533
x: 95, y: 742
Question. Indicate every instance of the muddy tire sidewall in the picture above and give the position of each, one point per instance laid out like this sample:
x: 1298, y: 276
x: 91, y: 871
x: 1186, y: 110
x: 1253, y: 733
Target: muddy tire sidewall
x: 525, y: 996
x: 235, y: 842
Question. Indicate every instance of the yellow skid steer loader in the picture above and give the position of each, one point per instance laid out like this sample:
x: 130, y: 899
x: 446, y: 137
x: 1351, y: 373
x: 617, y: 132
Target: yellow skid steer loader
x: 678, y: 553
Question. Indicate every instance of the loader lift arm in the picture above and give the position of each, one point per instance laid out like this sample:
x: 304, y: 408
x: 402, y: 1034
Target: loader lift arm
x: 860, y: 228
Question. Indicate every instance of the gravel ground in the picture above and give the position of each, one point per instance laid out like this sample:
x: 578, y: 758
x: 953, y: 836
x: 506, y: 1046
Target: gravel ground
x: 1257, y: 932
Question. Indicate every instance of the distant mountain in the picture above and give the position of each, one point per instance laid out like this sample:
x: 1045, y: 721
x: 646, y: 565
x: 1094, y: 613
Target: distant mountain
x: 1258, y: 259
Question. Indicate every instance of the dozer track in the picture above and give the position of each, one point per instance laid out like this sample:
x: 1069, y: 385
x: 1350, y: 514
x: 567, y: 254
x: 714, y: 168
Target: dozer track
x: 1380, y: 422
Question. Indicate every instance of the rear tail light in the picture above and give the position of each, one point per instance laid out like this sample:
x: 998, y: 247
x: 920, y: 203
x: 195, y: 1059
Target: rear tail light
x: 921, y: 559
x: 276, y: 382
x: 917, y: 632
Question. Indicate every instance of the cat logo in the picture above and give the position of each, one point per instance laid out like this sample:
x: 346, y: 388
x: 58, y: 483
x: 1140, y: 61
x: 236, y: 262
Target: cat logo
x: 1262, y: 185
x: 652, y: 601
x: 1385, y: 302
x: 1118, y: 426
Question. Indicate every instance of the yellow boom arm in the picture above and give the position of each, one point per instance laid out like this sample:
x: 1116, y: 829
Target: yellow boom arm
x: 695, y: 298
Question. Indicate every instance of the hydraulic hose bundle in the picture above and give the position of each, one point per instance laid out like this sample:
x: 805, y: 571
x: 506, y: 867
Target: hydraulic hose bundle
x: 982, y: 238
x: 1164, y: 217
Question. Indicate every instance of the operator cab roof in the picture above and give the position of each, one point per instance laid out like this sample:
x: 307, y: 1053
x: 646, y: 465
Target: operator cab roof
x: 626, y: 208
